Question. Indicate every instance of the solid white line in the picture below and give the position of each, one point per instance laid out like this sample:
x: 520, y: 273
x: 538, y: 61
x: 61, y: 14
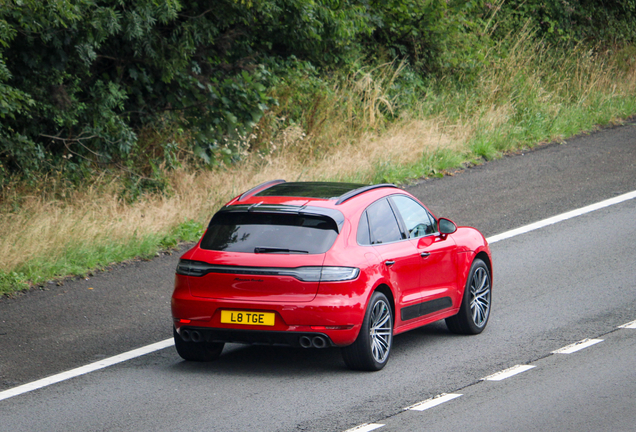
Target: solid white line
x: 629, y: 325
x: 365, y: 427
x: 433, y: 402
x: 168, y: 342
x: 560, y: 218
x: 507, y: 373
x: 577, y: 346
x: 86, y: 369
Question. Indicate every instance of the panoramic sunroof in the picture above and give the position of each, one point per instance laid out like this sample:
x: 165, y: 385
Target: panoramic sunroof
x: 324, y: 190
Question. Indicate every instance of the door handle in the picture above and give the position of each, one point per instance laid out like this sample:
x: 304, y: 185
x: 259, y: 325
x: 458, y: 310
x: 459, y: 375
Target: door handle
x: 389, y: 263
x: 425, y: 254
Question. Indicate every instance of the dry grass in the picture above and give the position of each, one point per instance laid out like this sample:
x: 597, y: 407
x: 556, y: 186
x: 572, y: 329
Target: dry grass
x: 43, y: 228
x: 97, y: 215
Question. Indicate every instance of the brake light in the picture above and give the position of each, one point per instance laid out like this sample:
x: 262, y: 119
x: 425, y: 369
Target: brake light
x: 326, y: 274
x: 305, y: 274
x: 336, y: 274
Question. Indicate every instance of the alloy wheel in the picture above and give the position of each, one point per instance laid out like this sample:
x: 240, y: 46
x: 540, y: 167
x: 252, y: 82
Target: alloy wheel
x: 380, y: 330
x: 480, y: 296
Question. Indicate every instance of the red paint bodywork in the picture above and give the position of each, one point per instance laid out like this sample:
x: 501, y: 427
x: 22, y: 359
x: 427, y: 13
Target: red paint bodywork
x: 316, y: 307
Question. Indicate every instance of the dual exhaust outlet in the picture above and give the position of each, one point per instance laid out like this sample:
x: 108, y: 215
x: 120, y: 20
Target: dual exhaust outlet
x: 313, y: 342
x: 191, y: 335
x: 305, y: 341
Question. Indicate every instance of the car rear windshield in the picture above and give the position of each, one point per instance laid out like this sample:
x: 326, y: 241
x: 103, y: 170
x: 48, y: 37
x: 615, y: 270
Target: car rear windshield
x: 269, y: 233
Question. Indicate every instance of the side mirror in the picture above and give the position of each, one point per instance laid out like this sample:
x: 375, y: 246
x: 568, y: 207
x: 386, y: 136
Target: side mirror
x: 446, y: 226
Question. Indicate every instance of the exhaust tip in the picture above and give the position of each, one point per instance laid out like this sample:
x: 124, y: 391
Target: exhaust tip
x: 185, y: 335
x: 195, y: 336
x: 319, y: 342
x: 305, y: 342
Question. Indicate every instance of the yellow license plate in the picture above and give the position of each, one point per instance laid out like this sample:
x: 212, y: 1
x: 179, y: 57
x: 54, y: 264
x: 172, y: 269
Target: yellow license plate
x: 248, y: 318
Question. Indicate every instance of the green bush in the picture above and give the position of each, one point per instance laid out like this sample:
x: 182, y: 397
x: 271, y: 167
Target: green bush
x: 83, y: 81
x: 84, y: 77
x: 572, y: 21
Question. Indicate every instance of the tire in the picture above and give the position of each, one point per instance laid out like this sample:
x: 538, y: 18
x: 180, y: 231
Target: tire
x: 372, y: 347
x: 197, y: 351
x: 475, y: 309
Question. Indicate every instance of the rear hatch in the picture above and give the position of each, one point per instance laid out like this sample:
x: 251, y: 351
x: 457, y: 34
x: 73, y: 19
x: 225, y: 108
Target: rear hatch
x: 261, y: 256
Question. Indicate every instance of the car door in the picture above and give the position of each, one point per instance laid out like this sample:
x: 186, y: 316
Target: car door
x: 437, y: 253
x: 399, y: 256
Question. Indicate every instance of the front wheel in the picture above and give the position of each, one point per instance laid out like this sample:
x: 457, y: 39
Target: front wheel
x: 475, y: 309
x: 197, y: 351
x: 371, y: 349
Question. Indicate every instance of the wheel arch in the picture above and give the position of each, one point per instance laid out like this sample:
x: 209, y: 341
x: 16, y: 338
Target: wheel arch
x: 486, y: 259
x: 386, y: 290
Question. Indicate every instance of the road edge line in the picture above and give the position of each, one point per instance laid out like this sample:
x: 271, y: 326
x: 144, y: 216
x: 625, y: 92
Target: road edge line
x: 110, y: 361
x: 561, y: 217
x: 82, y: 370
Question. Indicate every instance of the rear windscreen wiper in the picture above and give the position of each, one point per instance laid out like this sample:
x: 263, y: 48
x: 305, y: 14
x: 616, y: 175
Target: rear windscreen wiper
x: 277, y: 250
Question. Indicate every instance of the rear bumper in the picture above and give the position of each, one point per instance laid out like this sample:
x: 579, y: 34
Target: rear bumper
x: 336, y: 318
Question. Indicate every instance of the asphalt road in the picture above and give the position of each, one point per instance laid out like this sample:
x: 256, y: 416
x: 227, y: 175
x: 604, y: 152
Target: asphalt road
x: 552, y: 287
x: 592, y: 390
x: 581, y: 285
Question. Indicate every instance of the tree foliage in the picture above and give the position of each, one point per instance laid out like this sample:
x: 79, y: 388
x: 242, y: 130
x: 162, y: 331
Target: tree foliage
x: 87, y: 77
x: 434, y: 35
x: 608, y: 21
x: 83, y: 76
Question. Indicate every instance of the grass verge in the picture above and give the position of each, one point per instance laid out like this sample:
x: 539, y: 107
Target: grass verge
x: 82, y: 259
x: 527, y: 94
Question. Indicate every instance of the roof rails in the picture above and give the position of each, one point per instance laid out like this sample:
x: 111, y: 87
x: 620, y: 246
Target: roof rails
x: 259, y: 188
x: 361, y: 190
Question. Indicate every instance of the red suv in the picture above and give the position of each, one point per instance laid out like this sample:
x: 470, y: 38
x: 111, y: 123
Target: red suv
x: 318, y: 265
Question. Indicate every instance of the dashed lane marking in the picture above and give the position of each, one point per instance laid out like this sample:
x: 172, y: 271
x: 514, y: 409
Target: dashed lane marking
x: 365, y: 427
x: 577, y: 346
x: 507, y: 373
x: 433, y: 402
x: 629, y: 325
x: 499, y: 376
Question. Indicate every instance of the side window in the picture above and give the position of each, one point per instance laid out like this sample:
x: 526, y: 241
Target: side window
x: 363, y: 230
x: 416, y: 218
x: 382, y: 223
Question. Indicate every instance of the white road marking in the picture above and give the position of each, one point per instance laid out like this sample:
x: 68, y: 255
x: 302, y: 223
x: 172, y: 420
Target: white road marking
x: 507, y: 373
x: 629, y: 325
x: 168, y: 342
x: 433, y: 402
x: 365, y: 427
x: 562, y: 217
x: 577, y: 346
x: 86, y: 369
